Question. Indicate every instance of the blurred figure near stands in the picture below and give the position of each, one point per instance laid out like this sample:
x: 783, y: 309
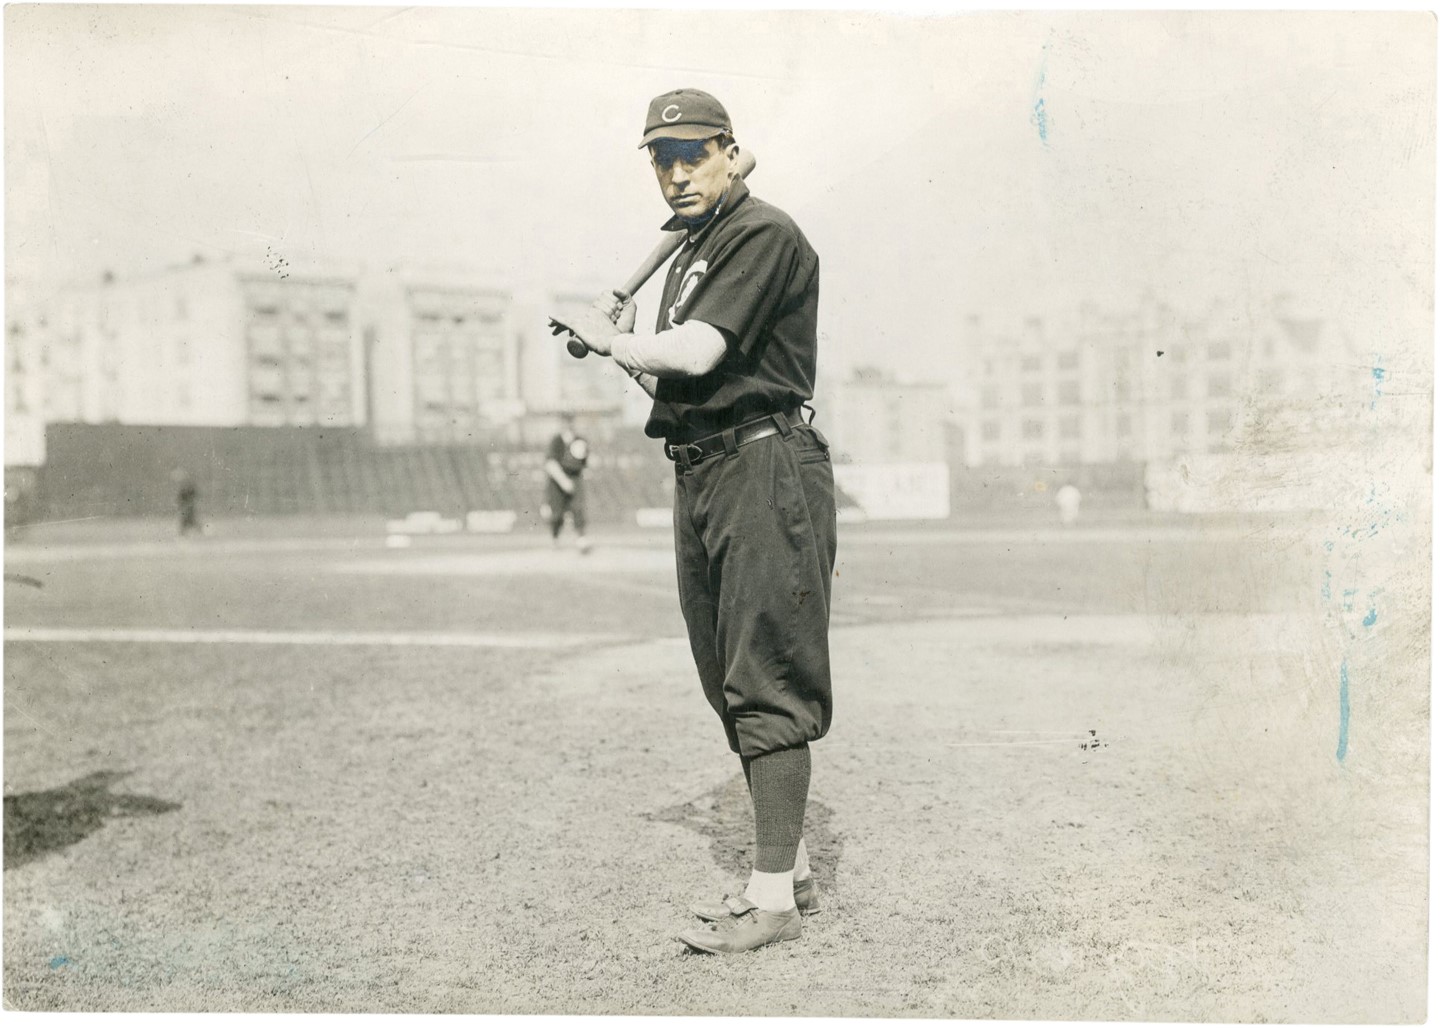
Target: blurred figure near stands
x: 1068, y: 500
x: 564, y: 482
x: 187, y: 500
x: 13, y: 498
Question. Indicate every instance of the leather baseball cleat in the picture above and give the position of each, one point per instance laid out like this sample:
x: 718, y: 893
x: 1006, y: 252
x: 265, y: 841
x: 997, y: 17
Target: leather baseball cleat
x: 747, y: 927
x: 807, y: 901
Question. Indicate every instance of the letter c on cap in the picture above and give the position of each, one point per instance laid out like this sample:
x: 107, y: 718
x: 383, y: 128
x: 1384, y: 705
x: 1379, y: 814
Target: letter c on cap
x: 667, y: 117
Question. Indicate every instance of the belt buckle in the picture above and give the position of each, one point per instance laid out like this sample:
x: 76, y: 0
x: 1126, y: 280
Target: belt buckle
x: 674, y: 453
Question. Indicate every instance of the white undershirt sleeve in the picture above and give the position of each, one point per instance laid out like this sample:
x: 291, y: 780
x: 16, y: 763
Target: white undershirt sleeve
x: 685, y: 351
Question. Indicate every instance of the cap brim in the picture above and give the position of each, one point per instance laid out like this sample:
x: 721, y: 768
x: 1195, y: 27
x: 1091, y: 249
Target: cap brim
x: 688, y: 132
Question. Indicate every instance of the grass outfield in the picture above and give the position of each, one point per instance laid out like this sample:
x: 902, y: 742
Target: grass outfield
x: 1073, y: 774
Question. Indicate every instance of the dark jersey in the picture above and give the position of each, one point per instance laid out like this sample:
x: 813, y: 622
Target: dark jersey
x: 753, y: 275
x: 570, y: 456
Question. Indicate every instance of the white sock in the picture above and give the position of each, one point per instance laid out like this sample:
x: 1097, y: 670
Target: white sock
x: 772, y: 891
x: 802, y: 863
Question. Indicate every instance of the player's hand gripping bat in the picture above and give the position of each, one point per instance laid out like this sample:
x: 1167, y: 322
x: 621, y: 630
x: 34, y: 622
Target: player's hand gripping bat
x: 664, y: 250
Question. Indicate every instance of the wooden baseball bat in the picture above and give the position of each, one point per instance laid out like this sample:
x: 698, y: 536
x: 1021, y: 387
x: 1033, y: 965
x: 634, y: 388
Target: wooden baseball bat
x: 664, y: 250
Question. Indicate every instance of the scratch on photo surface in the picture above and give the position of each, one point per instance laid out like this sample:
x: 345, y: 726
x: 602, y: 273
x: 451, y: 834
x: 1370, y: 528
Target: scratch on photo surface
x: 62, y: 521
x: 39, y: 725
x: 386, y: 120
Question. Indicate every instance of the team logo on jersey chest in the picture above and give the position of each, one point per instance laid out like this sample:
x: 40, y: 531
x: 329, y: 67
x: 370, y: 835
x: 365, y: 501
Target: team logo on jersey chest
x: 692, y: 278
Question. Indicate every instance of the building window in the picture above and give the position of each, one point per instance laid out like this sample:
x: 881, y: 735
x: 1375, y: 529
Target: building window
x: 1070, y: 426
x: 1030, y: 365
x: 1219, y: 385
x: 990, y: 431
x: 1180, y: 422
x: 1069, y: 456
x: 1031, y: 395
x: 1070, y: 391
x: 1068, y: 360
x: 1179, y: 387
x: 1033, y: 429
x: 989, y: 397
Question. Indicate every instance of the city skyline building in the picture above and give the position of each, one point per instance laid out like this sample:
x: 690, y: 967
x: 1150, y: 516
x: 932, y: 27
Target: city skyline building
x: 413, y: 355
x: 1144, y: 385
x: 438, y: 356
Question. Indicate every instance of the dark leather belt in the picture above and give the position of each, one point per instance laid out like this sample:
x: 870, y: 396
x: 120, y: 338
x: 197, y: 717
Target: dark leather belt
x: 732, y: 439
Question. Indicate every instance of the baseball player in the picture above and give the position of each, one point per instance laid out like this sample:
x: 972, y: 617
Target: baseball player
x: 564, y: 482
x: 730, y: 366
x: 187, y: 501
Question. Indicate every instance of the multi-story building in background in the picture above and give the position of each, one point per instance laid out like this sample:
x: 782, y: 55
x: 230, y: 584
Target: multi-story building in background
x: 441, y: 359
x: 414, y: 356
x: 200, y: 344
x: 300, y: 343
x: 1142, y: 386
x: 446, y: 358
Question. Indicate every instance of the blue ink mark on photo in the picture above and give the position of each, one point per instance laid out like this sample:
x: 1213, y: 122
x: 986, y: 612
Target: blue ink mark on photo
x: 1325, y: 589
x: 1378, y: 374
x: 1344, y: 745
x: 1371, y: 618
x: 1038, y: 116
x: 58, y: 963
x: 1040, y: 120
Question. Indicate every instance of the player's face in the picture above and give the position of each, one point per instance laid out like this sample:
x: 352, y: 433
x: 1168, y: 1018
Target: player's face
x: 693, y: 173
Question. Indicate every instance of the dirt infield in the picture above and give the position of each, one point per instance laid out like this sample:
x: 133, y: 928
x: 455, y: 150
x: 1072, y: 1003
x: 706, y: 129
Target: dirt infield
x: 1072, y: 775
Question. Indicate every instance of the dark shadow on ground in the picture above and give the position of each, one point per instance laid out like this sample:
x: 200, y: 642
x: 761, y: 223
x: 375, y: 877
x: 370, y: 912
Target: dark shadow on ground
x: 37, y: 823
x: 724, y: 816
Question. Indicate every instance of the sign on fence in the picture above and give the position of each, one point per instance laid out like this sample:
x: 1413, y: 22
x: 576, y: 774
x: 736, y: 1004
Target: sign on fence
x: 897, y: 491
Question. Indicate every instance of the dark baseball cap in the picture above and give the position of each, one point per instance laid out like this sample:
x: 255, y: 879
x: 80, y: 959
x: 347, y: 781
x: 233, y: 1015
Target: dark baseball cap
x: 684, y: 114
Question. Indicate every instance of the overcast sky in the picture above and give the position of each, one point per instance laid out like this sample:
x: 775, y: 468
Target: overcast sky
x: 998, y: 164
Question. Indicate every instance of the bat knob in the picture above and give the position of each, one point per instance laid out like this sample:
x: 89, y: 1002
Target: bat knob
x: 576, y: 347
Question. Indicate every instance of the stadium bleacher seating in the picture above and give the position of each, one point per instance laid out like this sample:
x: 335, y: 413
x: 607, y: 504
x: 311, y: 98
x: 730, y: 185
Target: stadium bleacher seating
x: 125, y: 470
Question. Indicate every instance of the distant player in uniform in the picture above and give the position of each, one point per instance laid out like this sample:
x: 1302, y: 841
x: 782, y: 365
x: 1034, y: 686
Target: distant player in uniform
x: 565, y: 482
x: 187, y: 501
x: 1068, y: 500
x: 730, y: 366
